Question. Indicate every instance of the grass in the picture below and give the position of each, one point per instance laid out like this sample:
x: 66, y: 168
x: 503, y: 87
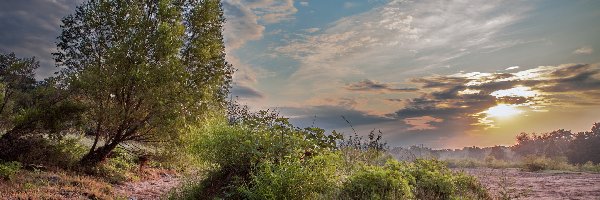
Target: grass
x: 529, y: 163
x: 57, y: 184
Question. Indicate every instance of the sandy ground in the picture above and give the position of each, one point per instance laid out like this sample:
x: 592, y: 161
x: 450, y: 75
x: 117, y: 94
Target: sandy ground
x: 155, y: 188
x: 539, y: 185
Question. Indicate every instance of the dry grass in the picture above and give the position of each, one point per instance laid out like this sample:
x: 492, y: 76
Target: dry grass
x: 54, y: 184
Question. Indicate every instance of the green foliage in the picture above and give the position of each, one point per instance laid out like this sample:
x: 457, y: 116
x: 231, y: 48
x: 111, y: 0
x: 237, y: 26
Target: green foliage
x: 313, y: 178
x: 579, y: 148
x: 539, y: 163
x: 261, y: 156
x: 9, y: 169
x: 118, y: 168
x: 243, y: 153
x: 378, y: 183
x: 16, y: 80
x: 143, y: 69
x: 64, y: 152
x: 584, y: 146
x: 433, y: 180
x: 590, y: 167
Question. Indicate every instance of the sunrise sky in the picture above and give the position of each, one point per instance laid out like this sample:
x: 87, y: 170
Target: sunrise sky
x: 446, y: 74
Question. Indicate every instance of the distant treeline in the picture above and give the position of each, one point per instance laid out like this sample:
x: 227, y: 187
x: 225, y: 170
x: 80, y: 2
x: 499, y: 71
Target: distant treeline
x: 578, y: 148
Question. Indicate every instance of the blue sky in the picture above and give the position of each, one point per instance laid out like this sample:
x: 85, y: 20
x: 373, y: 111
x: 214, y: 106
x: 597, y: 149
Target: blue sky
x: 363, y: 59
x: 447, y: 73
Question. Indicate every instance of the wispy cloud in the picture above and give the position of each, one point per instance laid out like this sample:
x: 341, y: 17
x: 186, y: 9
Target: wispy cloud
x: 374, y: 86
x: 584, y: 50
x: 246, y: 21
x: 312, y: 30
x: 350, y: 5
x: 400, y: 37
x: 244, y: 92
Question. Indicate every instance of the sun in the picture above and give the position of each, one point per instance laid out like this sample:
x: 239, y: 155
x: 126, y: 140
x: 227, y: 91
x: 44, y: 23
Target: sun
x: 503, y: 111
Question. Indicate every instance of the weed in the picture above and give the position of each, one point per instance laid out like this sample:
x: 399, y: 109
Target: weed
x: 9, y: 169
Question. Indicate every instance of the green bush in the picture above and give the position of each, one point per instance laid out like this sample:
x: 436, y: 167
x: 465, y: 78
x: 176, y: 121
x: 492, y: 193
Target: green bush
x: 262, y: 156
x: 377, y: 183
x: 590, y: 167
x: 539, y: 163
x: 433, y: 180
x: 314, y: 178
x: 240, y: 154
x: 9, y: 169
x: 118, y: 168
x: 58, y: 152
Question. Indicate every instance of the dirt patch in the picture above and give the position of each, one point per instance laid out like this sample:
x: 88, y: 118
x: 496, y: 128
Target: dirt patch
x: 518, y: 184
x: 154, y: 187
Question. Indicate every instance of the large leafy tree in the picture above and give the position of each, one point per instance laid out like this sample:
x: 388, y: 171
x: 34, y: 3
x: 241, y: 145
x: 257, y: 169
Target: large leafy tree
x: 144, y: 69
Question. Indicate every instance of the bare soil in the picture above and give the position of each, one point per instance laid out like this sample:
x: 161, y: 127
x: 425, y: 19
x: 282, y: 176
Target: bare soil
x: 517, y: 184
x: 157, y: 186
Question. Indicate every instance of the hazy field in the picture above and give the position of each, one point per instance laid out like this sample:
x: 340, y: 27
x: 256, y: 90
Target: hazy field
x: 539, y: 185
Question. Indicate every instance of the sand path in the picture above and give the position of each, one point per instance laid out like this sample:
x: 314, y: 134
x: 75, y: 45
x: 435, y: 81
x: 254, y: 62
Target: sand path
x: 539, y: 185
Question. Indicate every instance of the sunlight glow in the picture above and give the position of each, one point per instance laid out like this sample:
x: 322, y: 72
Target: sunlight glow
x: 503, y: 111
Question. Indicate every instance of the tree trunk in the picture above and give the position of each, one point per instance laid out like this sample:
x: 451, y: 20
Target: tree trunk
x: 96, y: 156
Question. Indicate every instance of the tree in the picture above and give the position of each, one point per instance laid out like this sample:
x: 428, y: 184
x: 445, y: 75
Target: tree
x: 30, y: 108
x: 16, y: 80
x: 498, y: 153
x: 143, y: 69
x: 584, y: 146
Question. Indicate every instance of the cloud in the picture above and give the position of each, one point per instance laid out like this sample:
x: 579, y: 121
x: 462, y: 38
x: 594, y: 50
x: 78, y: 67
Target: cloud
x: 470, y: 98
x: 304, y: 3
x: 312, y: 30
x: 246, y: 21
x: 244, y: 92
x: 330, y: 117
x: 399, y: 38
x: 349, y: 5
x: 422, y: 123
x: 241, y: 26
x: 30, y: 28
x: 374, y: 86
x: 584, y: 51
x: 512, y: 68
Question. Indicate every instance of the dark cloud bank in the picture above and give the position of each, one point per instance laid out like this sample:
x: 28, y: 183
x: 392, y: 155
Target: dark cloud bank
x: 30, y: 28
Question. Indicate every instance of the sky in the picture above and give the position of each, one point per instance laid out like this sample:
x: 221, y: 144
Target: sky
x: 442, y: 73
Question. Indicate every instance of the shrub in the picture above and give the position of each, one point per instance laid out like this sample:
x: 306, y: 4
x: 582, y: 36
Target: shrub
x: 590, y: 167
x: 538, y: 163
x: 377, y: 183
x: 433, y: 180
x: 261, y: 156
x: 313, y: 178
x: 533, y: 164
x: 9, y: 169
x: 59, y: 152
x: 117, y: 168
x: 241, y: 153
